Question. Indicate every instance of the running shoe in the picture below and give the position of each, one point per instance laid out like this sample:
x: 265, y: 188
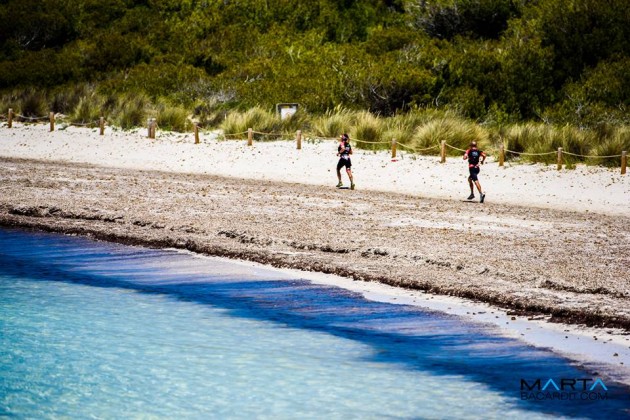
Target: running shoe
x: 483, y: 197
x: 471, y: 197
x: 340, y: 184
x: 352, y: 186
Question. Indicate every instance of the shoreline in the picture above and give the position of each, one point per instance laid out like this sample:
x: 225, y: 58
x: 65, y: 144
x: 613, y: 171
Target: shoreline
x: 602, y: 351
x: 592, y: 348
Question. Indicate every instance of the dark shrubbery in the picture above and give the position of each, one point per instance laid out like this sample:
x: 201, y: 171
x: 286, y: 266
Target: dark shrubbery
x: 495, y: 61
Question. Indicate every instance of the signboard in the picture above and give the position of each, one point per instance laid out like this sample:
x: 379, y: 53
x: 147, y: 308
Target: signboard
x: 286, y: 110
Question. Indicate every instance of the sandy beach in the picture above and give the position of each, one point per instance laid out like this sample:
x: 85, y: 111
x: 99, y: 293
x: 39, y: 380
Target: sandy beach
x: 546, y: 245
x: 583, y: 189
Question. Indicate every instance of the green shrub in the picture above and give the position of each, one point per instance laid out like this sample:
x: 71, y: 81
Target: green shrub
x: 131, y: 112
x: 457, y: 133
x: 8, y: 100
x: 236, y: 123
x: 333, y: 123
x: 88, y: 110
x: 33, y: 103
x: 298, y: 121
x: 368, y: 131
x: 65, y: 99
x: 540, y: 142
x: 612, y: 146
x: 395, y: 128
x: 173, y: 118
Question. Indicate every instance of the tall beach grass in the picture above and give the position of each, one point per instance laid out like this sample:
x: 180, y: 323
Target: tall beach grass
x: 417, y: 131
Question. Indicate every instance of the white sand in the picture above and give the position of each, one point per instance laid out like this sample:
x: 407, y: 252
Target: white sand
x: 584, y: 189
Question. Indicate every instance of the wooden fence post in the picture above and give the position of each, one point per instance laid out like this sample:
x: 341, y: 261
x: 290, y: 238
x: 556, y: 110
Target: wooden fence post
x: 196, y: 128
x: 101, y: 125
x: 624, y: 162
x: 393, y: 148
x: 501, y: 154
x: 298, y: 139
x: 559, y: 158
x: 51, y: 116
x: 443, y: 152
x: 250, y: 136
x: 10, y: 118
x: 151, y: 128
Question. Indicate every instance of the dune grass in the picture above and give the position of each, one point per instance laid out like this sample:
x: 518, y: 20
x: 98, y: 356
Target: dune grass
x: 457, y: 133
x: 88, y: 109
x: 31, y: 103
x: 417, y: 131
x: 173, y: 118
x: 333, y: 123
x: 131, y: 112
x: 236, y: 124
x: 368, y: 131
x: 611, y: 145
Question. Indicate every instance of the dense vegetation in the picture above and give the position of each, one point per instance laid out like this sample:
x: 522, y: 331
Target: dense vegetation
x: 496, y: 62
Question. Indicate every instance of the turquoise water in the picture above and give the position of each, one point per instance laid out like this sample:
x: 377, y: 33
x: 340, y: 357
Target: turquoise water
x: 93, y: 329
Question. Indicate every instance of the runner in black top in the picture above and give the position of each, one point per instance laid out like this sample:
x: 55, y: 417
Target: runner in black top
x: 344, y: 150
x: 473, y: 155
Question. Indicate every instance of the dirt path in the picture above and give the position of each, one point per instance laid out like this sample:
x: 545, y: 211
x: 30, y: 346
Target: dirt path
x: 574, y: 267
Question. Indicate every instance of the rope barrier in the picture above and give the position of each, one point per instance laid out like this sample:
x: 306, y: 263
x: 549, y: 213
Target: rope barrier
x: 418, y: 150
x: 307, y: 135
x: 590, y: 156
x: 529, y: 154
x: 371, y: 142
x: 234, y: 134
x: 267, y: 134
x: 31, y: 118
x: 456, y: 148
x: 84, y: 124
x: 406, y: 147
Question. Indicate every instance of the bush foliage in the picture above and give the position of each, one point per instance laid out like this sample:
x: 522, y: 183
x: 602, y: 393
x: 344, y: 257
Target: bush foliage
x: 499, y: 63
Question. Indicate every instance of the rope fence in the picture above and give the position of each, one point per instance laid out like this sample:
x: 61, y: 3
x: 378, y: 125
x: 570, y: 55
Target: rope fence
x: 455, y: 148
x: 84, y: 124
x: 425, y: 149
x: 267, y: 134
x: 24, y: 117
x: 529, y: 154
x: 591, y: 156
x: 370, y: 142
x: 234, y: 134
x: 153, y: 126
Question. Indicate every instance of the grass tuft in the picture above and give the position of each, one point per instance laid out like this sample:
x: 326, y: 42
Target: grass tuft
x: 173, y: 118
x: 456, y: 132
x: 131, y: 112
x: 88, y: 109
x: 236, y: 123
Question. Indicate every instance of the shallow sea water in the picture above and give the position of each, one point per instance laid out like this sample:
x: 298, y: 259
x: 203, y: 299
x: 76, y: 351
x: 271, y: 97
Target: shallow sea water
x: 94, y: 329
